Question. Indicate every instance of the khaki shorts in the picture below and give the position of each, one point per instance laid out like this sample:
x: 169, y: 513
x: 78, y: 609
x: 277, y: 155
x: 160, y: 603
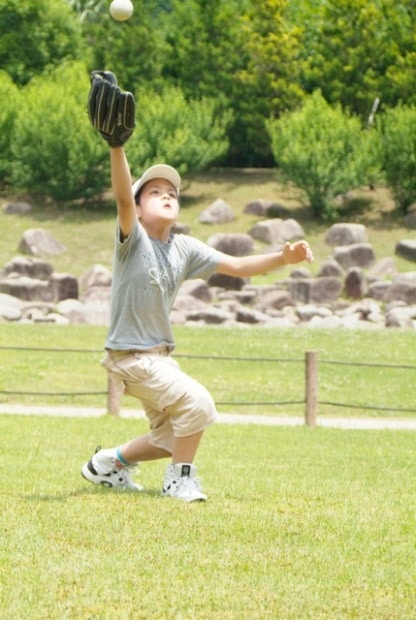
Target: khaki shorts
x: 175, y: 404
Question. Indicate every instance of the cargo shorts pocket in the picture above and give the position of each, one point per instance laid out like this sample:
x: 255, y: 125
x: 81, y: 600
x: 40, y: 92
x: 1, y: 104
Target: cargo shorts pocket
x: 129, y: 367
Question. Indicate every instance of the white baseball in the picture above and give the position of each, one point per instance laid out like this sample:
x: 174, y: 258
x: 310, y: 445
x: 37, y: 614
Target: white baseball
x: 121, y: 10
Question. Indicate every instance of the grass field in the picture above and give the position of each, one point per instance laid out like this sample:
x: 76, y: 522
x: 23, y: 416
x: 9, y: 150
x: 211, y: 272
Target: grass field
x: 88, y: 234
x: 299, y: 524
x: 68, y: 378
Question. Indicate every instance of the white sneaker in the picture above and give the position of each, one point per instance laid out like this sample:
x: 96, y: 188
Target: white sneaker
x: 104, y: 468
x: 181, y: 483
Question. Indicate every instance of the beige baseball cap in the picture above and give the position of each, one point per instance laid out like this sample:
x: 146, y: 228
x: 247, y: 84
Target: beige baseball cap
x: 159, y: 171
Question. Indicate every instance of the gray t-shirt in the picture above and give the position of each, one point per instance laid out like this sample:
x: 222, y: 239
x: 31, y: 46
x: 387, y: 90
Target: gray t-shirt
x: 147, y: 275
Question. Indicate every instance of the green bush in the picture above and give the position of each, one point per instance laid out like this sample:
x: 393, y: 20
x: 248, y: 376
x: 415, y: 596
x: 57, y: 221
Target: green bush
x: 9, y: 104
x: 324, y: 151
x: 36, y: 34
x: 398, y: 130
x: 189, y: 135
x: 56, y: 151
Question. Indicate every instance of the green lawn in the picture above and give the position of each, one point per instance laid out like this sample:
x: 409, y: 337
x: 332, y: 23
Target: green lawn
x: 88, y: 234
x: 299, y: 524
x: 269, y: 367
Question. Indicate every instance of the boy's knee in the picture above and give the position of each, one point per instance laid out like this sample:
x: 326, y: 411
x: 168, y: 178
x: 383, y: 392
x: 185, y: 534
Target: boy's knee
x: 195, y: 413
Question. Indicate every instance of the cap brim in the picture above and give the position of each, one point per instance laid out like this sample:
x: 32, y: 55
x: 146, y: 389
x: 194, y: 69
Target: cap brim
x: 159, y: 171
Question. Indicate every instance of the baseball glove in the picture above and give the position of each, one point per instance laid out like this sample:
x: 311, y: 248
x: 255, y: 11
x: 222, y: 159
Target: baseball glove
x: 110, y: 110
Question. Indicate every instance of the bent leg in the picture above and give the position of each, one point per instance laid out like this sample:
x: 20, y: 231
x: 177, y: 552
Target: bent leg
x: 184, y: 448
x: 141, y: 449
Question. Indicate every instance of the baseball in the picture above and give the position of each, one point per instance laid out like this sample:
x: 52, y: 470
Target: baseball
x: 121, y: 10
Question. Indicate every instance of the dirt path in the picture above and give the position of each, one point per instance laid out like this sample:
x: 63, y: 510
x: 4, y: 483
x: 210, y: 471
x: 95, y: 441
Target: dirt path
x: 225, y: 418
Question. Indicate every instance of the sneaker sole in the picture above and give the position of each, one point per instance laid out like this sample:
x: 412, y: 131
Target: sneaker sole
x: 88, y: 472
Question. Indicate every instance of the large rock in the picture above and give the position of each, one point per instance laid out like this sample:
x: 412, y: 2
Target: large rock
x: 11, y: 308
x: 37, y: 241
x: 97, y: 275
x: 383, y: 268
x: 355, y: 283
x: 64, y: 286
x: 331, y: 268
x: 356, y: 255
x: 407, y: 249
x: 266, y: 208
x: 219, y: 212
x: 27, y: 288
x: 276, y: 231
x: 400, y: 316
x: 346, y: 234
x: 32, y: 267
x: 234, y: 244
x: 316, y: 290
x: 198, y: 288
x: 17, y: 208
x: 228, y: 282
x: 401, y: 290
x: 210, y: 315
x: 274, y: 298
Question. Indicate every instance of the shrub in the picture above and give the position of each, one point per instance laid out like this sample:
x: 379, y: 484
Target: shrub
x: 189, y: 135
x: 323, y: 151
x: 56, y: 152
x: 36, y: 34
x: 9, y: 105
x: 398, y: 130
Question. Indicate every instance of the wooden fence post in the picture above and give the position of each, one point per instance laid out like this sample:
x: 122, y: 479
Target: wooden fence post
x: 311, y: 388
x: 113, y: 397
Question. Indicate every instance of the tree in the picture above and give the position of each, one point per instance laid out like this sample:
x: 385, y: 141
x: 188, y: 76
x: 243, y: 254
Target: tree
x: 358, y: 50
x: 269, y: 80
x: 36, y: 34
x: 134, y: 49
x: 323, y: 151
x: 206, y: 51
x: 397, y: 126
x: 55, y: 151
x: 10, y: 102
x: 188, y: 135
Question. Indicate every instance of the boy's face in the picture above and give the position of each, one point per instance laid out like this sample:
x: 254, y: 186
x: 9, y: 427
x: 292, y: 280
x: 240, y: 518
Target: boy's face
x: 158, y: 202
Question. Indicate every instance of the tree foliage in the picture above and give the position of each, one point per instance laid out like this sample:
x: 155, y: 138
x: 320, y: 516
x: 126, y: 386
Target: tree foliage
x: 36, y: 34
x: 189, y: 135
x: 246, y: 61
x: 323, y: 151
x: 357, y: 50
x: 55, y: 151
x: 397, y: 127
x: 10, y: 102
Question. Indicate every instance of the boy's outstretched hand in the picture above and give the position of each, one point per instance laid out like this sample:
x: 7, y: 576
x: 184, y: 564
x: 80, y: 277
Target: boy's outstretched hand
x: 297, y: 252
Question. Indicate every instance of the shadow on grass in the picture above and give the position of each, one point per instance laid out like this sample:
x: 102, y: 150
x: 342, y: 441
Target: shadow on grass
x: 96, y: 490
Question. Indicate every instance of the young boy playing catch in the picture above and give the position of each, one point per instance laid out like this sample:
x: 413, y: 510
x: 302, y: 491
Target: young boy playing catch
x: 150, y: 264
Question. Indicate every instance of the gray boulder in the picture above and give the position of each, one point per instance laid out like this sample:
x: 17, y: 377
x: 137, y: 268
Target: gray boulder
x: 331, y: 268
x: 355, y: 283
x: 32, y: 267
x: 406, y: 249
x: 276, y: 231
x: 37, y: 241
x: 346, y: 234
x: 356, y: 255
x: 17, y: 208
x: 234, y: 244
x: 315, y: 290
x: 219, y: 212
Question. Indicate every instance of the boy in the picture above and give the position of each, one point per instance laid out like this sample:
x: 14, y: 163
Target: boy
x: 150, y: 264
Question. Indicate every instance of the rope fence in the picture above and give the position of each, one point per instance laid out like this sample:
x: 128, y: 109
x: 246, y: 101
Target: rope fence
x: 310, y: 400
